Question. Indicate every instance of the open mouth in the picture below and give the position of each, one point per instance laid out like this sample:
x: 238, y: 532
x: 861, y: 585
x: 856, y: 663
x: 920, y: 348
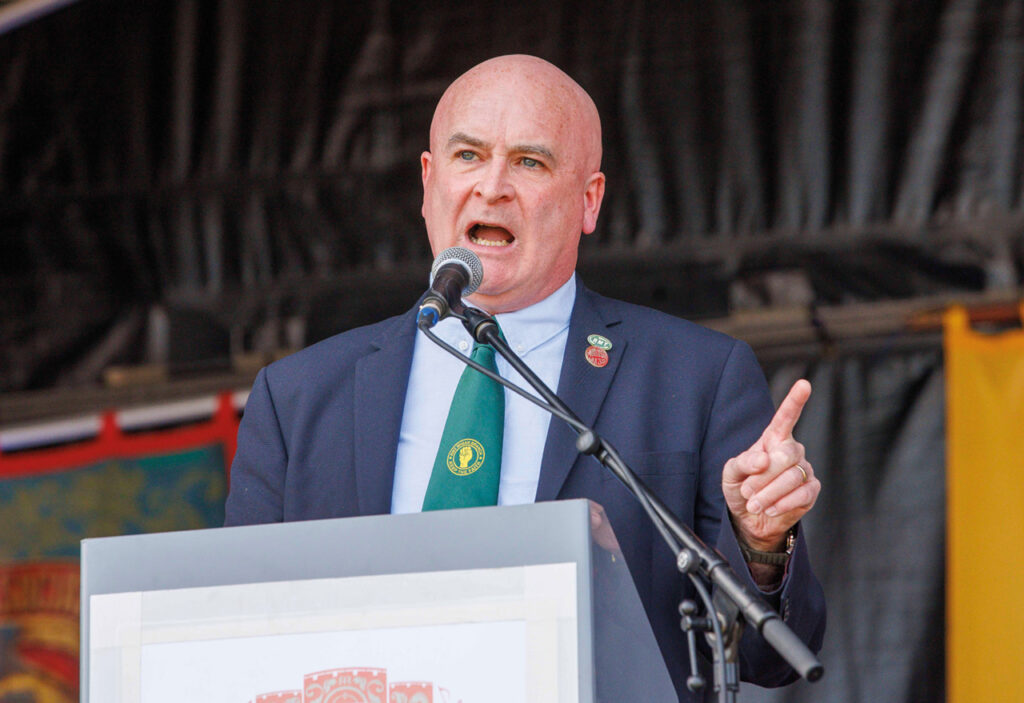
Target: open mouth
x: 490, y: 235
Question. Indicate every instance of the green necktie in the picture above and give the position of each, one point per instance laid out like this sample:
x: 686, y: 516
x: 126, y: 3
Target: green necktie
x: 468, y: 462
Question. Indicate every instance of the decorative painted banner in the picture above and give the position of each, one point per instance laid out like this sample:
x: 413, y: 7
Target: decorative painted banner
x: 984, y: 523
x: 114, y: 484
x: 39, y: 632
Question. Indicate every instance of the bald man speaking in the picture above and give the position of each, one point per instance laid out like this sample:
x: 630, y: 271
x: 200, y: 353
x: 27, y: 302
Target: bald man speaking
x: 352, y: 425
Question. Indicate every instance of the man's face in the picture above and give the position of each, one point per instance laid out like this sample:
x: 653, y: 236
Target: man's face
x: 512, y: 175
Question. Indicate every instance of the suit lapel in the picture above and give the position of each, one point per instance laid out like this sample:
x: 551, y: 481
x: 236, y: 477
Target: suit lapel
x: 582, y: 386
x: 380, y: 385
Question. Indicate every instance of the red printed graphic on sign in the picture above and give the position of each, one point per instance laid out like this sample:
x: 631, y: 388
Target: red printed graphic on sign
x: 279, y: 697
x: 352, y: 685
x: 412, y: 692
x: 357, y: 685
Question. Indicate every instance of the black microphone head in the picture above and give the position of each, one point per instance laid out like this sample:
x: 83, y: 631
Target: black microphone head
x: 465, y: 258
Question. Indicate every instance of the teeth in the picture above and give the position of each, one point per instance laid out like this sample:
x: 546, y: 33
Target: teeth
x: 488, y: 242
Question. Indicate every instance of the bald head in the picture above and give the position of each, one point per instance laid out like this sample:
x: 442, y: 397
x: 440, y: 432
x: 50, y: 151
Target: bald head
x: 513, y: 174
x: 532, y: 79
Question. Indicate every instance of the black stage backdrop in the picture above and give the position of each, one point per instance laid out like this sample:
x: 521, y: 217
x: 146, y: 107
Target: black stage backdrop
x: 875, y: 431
x: 250, y: 166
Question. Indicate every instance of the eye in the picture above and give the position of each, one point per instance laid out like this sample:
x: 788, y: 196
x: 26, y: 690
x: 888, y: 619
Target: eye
x: 465, y: 155
x: 531, y: 163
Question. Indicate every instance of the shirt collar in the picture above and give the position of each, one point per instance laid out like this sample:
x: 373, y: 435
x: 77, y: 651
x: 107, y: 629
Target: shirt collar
x: 535, y: 325
x: 525, y: 329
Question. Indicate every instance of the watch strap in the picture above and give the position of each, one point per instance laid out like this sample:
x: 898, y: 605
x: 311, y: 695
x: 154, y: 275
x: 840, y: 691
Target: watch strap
x: 756, y: 556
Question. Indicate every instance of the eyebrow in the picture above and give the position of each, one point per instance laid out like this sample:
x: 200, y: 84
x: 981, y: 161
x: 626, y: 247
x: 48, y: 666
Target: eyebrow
x: 463, y: 138
x: 535, y: 149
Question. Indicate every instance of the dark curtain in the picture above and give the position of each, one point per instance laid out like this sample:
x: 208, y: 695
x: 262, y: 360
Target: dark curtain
x: 875, y: 430
x: 240, y: 164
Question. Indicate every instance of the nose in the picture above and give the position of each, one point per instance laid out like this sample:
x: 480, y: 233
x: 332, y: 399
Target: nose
x: 494, y: 184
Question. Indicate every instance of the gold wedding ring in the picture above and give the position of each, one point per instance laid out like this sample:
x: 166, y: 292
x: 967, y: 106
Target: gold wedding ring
x: 801, y: 470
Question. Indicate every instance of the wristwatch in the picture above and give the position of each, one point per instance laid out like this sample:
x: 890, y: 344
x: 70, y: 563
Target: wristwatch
x: 756, y: 556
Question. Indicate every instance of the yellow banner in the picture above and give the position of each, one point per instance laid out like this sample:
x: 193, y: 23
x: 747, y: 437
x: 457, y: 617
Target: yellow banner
x: 985, y: 535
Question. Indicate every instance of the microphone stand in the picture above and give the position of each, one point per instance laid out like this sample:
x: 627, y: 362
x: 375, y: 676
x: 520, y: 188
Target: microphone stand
x: 734, y: 602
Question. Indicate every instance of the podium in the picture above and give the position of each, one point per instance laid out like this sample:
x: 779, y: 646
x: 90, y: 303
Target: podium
x: 510, y: 604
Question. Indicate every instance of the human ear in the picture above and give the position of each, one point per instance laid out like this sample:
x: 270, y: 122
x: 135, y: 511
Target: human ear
x: 426, y: 161
x: 593, y: 194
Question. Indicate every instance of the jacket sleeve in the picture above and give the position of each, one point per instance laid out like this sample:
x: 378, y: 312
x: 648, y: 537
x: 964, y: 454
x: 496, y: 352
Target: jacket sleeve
x: 800, y: 601
x: 258, y: 471
x: 743, y: 409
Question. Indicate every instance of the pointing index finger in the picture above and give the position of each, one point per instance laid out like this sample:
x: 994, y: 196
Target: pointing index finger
x: 786, y: 416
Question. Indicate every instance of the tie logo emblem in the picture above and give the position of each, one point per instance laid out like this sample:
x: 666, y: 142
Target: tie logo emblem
x: 465, y: 457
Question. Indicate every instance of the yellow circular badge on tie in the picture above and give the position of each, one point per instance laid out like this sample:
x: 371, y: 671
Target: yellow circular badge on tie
x: 465, y: 457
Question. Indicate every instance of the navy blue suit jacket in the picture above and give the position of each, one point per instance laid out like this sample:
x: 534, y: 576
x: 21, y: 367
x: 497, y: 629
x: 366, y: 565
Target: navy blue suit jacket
x: 320, y: 434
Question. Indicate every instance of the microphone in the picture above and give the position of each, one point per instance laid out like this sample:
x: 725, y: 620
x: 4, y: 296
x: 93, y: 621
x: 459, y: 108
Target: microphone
x: 456, y: 272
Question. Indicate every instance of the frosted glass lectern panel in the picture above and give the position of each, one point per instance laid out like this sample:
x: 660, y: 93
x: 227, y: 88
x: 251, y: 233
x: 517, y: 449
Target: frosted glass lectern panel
x: 495, y: 604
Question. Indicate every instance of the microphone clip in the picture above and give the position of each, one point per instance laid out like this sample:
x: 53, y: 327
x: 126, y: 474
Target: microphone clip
x: 479, y: 324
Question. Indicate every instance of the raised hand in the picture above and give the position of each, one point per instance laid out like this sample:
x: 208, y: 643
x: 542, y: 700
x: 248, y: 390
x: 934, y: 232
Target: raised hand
x: 770, y: 486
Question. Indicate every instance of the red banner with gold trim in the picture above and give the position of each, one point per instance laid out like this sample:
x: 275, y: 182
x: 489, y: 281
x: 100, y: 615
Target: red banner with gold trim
x: 50, y: 499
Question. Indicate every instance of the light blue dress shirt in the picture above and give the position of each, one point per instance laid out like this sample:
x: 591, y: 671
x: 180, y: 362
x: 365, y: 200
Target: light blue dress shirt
x: 538, y: 335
